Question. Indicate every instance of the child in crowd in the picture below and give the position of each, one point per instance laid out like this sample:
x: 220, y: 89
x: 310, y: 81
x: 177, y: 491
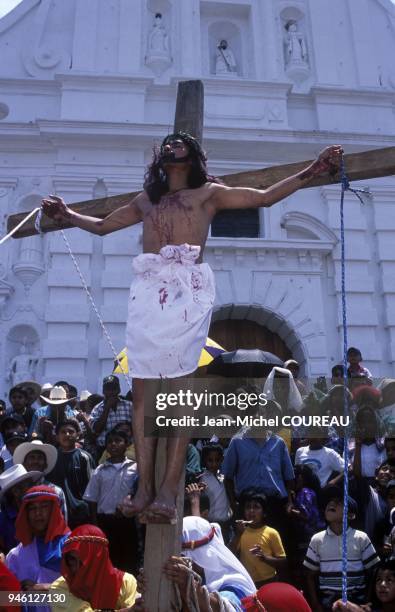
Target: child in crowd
x: 384, y: 587
x: 305, y: 513
x: 196, y: 500
x: 259, y: 546
x: 72, y: 471
x: 322, y: 460
x: 220, y: 512
x: 371, y: 499
x: 125, y: 426
x: 324, y: 558
x: 355, y: 369
x: 110, y: 483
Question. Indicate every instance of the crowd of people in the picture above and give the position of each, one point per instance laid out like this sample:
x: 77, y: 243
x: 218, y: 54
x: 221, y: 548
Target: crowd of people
x: 263, y: 514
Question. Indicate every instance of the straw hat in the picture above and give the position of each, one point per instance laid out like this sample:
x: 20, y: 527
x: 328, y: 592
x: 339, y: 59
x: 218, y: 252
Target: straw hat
x: 49, y: 451
x: 14, y: 475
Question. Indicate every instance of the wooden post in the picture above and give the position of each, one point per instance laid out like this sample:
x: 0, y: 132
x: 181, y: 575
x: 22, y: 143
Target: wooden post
x: 162, y: 541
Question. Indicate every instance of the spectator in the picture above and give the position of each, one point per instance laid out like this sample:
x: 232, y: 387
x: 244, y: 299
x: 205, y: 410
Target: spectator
x: 110, y: 411
x: 33, y: 390
x: 293, y: 366
x: 107, y: 487
x: 276, y: 597
x: 8, y: 582
x: 222, y: 572
x: 14, y: 483
x: 338, y: 374
x: 72, y: 471
x: 38, y: 457
x: 197, y: 502
x: 19, y: 405
x: 305, y: 515
x: 258, y: 546
x: 355, y: 369
x: 56, y: 411
x: 263, y: 464
x: 372, y: 499
x: 389, y: 446
x: 368, y: 452
x: 220, y: 512
x: 88, y: 576
x: 12, y: 440
x: 322, y: 460
x: 7, y: 425
x: 41, y: 531
x: 125, y: 426
x: 324, y: 558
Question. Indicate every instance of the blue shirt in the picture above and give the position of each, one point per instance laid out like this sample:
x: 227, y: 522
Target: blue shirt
x: 264, y: 465
x: 45, y: 411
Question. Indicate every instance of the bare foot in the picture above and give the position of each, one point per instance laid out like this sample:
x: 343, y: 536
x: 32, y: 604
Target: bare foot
x: 131, y: 506
x: 162, y: 510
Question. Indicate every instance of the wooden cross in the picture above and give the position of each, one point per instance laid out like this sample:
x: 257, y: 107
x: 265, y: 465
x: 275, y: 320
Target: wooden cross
x: 164, y: 540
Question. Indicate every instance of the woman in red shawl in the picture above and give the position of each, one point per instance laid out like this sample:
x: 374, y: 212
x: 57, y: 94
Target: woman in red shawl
x: 276, y: 597
x: 89, y: 580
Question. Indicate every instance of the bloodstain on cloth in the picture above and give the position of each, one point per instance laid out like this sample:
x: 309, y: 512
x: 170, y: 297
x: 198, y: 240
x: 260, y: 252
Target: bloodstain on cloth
x: 163, y: 295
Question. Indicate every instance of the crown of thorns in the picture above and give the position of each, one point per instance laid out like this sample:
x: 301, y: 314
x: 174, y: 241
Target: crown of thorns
x: 184, y: 136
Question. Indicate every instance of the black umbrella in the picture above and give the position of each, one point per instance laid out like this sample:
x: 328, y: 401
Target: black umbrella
x: 250, y: 363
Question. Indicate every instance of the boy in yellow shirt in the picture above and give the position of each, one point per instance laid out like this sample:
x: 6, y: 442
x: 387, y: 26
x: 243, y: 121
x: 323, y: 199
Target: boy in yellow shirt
x: 258, y: 546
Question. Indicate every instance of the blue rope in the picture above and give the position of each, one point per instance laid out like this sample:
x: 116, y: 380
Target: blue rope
x: 345, y: 184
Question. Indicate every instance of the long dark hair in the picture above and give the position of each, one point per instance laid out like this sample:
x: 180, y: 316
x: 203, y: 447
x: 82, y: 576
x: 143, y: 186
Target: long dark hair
x: 155, y: 178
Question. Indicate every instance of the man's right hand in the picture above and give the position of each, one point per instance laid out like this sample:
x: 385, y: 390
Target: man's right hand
x: 55, y: 208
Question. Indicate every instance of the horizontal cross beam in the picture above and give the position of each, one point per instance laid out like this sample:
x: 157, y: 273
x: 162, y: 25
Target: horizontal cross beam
x: 374, y: 163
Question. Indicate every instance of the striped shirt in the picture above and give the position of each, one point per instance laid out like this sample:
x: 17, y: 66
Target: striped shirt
x: 324, y: 555
x: 123, y: 412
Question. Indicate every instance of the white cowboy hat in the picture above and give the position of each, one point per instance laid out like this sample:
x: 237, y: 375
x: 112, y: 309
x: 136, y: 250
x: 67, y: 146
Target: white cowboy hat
x: 49, y: 451
x: 84, y: 395
x: 46, y: 386
x: 57, y: 397
x: 15, y: 474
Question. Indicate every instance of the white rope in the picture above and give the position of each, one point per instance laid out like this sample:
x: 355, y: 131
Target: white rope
x: 92, y: 301
x: 17, y: 227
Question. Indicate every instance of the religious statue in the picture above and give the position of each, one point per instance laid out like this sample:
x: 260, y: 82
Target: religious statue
x: 225, y: 62
x: 22, y: 367
x: 158, y: 39
x: 295, y: 45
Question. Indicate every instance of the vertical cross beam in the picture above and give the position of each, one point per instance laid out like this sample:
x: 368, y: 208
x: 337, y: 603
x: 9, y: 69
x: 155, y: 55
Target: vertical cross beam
x: 162, y: 541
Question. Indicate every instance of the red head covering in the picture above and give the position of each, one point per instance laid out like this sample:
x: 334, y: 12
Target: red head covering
x: 276, y: 597
x: 97, y: 580
x: 56, y: 526
x: 8, y: 582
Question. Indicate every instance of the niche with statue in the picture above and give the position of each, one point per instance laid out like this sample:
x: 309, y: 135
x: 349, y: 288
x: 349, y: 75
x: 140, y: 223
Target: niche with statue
x: 295, y: 44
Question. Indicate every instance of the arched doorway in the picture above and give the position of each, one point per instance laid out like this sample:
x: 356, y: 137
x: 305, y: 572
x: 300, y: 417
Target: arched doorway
x: 241, y: 333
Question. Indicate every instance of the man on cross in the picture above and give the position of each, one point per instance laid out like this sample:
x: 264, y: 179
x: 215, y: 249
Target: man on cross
x: 172, y: 293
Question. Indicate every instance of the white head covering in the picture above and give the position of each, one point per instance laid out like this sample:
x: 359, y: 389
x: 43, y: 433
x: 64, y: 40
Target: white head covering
x: 220, y: 565
x: 295, y: 401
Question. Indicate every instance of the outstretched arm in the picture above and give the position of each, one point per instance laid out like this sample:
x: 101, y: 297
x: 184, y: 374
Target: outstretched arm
x: 246, y: 197
x: 56, y: 209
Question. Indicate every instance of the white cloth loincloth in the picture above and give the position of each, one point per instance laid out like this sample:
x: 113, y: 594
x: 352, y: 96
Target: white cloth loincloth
x: 170, y: 304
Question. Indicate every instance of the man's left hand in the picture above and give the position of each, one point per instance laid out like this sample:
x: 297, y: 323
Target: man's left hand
x: 329, y: 159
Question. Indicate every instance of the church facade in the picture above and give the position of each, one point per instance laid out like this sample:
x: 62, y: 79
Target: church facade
x: 87, y: 87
